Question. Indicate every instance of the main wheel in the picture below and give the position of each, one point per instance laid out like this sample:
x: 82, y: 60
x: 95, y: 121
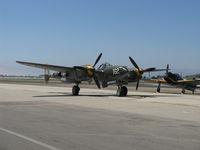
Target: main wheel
x: 183, y: 91
x: 122, y: 91
x: 75, y: 90
x: 158, y: 90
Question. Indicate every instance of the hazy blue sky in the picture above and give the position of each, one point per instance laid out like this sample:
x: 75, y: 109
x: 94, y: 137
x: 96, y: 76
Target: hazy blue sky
x: 74, y: 32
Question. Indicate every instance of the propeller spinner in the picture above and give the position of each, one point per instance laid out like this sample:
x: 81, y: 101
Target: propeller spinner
x: 91, y: 70
x: 139, y: 71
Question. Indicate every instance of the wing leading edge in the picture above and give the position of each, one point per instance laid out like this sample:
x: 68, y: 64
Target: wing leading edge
x: 46, y: 66
x: 158, y: 80
x: 197, y: 82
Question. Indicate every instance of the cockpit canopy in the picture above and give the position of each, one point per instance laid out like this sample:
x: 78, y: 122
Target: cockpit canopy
x: 178, y: 77
x: 104, y: 66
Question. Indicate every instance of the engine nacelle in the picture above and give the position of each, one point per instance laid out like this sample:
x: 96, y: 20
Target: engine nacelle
x: 57, y: 75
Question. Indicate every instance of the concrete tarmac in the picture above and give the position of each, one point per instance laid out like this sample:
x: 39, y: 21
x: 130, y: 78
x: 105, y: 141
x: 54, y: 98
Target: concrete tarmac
x: 34, y: 117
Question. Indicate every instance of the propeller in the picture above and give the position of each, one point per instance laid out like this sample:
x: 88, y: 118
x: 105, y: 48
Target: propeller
x: 91, y: 70
x: 139, y: 71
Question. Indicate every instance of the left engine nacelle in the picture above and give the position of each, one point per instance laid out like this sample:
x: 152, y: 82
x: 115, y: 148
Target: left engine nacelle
x: 57, y: 75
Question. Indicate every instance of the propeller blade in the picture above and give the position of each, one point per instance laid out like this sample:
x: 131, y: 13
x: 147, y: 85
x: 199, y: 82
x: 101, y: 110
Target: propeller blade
x: 137, y: 85
x: 149, y: 70
x: 159, y: 70
x: 167, y: 69
x: 79, y: 67
x: 97, y: 60
x: 97, y: 81
x: 134, y: 63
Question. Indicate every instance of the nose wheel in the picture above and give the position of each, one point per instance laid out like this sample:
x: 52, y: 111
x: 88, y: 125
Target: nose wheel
x: 75, y: 90
x: 122, y: 91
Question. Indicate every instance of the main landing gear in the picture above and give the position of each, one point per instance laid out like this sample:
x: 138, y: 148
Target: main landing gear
x: 183, y: 91
x: 75, y: 90
x: 158, y: 89
x: 193, y: 91
x: 122, y: 91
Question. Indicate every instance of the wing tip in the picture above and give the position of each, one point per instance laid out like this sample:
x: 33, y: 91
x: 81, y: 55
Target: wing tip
x: 19, y: 62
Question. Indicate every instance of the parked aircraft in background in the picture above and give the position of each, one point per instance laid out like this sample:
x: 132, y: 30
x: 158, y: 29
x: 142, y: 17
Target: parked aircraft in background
x: 175, y: 79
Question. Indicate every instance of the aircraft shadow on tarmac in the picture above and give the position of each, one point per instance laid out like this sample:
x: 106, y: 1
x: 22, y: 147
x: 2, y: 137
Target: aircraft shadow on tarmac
x: 60, y: 94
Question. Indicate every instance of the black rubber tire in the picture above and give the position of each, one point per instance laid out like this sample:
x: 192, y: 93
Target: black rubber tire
x: 75, y: 90
x: 183, y: 91
x: 122, y: 91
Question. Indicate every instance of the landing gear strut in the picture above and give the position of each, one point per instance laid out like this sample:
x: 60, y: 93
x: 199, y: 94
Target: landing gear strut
x: 122, y: 91
x: 75, y: 90
x: 193, y: 91
x: 158, y: 89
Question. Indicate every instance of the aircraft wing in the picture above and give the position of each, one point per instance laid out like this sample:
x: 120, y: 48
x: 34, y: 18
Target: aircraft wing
x: 46, y: 66
x: 188, y: 81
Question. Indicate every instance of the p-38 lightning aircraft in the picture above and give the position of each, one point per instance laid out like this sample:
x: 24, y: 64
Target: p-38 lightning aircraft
x: 106, y: 74
x: 175, y: 79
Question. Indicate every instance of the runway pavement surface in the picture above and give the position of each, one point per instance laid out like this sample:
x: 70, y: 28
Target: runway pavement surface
x: 34, y: 117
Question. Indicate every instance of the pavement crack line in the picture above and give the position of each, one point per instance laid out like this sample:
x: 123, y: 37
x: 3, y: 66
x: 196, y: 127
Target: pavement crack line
x: 30, y: 139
